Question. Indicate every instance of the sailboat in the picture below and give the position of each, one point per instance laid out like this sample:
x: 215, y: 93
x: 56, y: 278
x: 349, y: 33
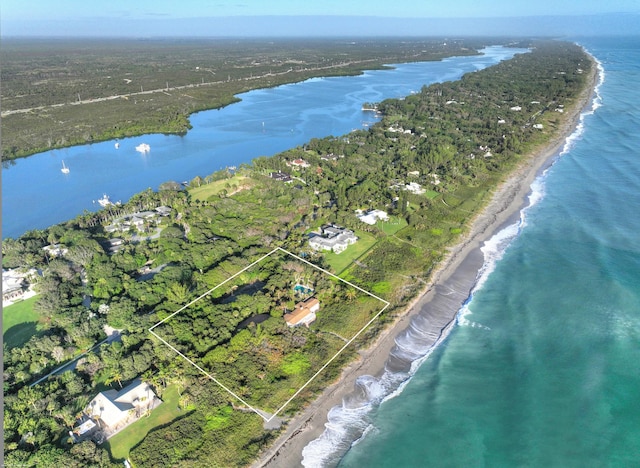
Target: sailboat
x: 65, y: 169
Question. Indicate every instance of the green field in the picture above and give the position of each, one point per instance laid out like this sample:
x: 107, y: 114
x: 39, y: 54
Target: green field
x: 121, y: 443
x: 19, y: 322
x: 393, y: 225
x: 205, y: 192
x: 339, y: 262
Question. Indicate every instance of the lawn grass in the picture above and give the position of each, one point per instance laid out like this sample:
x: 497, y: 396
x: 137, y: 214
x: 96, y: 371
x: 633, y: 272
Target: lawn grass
x: 339, y: 262
x: 393, y: 225
x: 204, y: 192
x: 19, y: 322
x: 121, y: 443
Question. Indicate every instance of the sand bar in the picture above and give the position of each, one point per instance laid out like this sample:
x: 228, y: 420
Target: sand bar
x: 455, y: 277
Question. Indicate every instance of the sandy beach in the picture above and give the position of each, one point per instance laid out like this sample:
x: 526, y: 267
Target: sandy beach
x: 455, y: 275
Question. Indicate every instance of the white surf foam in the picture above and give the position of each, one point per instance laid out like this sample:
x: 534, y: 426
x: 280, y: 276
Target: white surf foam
x: 596, y: 103
x: 346, y: 423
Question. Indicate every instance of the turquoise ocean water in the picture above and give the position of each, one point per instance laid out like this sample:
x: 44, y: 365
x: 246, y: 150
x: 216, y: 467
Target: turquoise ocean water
x: 543, y: 366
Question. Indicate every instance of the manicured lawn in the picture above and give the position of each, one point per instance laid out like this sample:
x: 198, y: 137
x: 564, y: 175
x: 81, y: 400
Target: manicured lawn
x: 393, y: 225
x: 342, y: 260
x: 19, y: 322
x: 121, y: 443
x: 431, y: 194
x: 206, y: 191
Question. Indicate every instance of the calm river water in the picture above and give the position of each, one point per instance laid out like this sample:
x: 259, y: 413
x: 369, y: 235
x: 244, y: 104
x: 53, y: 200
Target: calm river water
x: 36, y: 194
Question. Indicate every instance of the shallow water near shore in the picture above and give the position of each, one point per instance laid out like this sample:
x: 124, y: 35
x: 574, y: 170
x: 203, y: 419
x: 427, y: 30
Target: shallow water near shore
x: 36, y: 194
x: 542, y: 365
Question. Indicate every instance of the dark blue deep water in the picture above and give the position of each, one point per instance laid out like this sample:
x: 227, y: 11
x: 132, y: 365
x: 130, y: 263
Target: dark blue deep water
x: 543, y: 367
x: 36, y: 194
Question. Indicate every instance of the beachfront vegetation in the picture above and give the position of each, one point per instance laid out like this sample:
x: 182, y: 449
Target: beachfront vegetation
x: 241, y: 336
x: 462, y: 138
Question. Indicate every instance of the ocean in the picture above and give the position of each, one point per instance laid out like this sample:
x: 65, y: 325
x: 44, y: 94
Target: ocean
x: 543, y: 365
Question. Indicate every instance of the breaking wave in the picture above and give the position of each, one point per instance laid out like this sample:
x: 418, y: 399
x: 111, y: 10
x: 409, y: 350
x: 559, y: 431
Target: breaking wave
x: 349, y: 423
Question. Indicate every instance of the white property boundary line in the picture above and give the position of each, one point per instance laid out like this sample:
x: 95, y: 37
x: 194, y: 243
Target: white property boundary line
x: 277, y: 249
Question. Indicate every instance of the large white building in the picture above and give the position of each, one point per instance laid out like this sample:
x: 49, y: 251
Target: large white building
x: 16, y: 285
x: 115, y: 410
x: 332, y: 238
x: 372, y: 216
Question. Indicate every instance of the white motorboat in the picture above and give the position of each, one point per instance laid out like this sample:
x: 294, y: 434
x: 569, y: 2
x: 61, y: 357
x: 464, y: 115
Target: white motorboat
x: 105, y: 201
x: 143, y: 148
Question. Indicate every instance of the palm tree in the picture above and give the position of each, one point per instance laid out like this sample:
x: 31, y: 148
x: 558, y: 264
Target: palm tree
x: 67, y: 416
x: 116, y: 376
x: 351, y: 294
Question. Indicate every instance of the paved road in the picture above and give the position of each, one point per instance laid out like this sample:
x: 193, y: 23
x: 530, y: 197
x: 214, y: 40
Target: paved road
x: 71, y: 365
x: 172, y: 88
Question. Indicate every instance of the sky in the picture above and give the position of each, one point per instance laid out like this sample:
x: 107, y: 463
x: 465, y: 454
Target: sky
x: 169, y: 17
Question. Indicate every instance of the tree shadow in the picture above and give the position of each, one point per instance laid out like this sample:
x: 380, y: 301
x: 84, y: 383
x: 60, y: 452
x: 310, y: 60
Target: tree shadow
x: 19, y: 334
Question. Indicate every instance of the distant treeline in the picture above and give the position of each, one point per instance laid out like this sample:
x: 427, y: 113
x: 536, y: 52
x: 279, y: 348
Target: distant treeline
x: 59, y: 81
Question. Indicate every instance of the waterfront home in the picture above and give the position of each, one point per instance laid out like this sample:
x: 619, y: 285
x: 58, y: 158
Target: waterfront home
x: 55, y: 250
x: 372, y: 216
x: 331, y: 157
x: 414, y: 187
x: 281, y: 177
x: 299, y: 163
x: 13, y: 286
x: 332, y: 237
x: 304, y: 313
x: 112, y: 246
x: 163, y: 210
x: 113, y: 410
x: 16, y: 285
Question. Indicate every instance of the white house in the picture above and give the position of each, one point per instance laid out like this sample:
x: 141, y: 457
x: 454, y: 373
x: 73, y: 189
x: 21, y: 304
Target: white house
x: 414, y: 187
x: 332, y: 238
x: 16, y: 285
x: 372, y: 216
x: 13, y: 286
x: 55, y: 250
x: 116, y: 410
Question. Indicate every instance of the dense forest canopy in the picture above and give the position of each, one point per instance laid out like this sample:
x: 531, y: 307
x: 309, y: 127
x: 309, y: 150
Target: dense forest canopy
x: 456, y: 141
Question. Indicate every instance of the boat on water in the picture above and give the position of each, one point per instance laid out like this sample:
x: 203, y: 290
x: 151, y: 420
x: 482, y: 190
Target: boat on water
x: 65, y: 169
x: 143, y: 148
x: 117, y: 145
x: 105, y: 201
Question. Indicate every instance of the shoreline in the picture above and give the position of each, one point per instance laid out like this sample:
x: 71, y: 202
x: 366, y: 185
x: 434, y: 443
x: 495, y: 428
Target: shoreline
x: 360, y: 68
x: 456, y: 274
